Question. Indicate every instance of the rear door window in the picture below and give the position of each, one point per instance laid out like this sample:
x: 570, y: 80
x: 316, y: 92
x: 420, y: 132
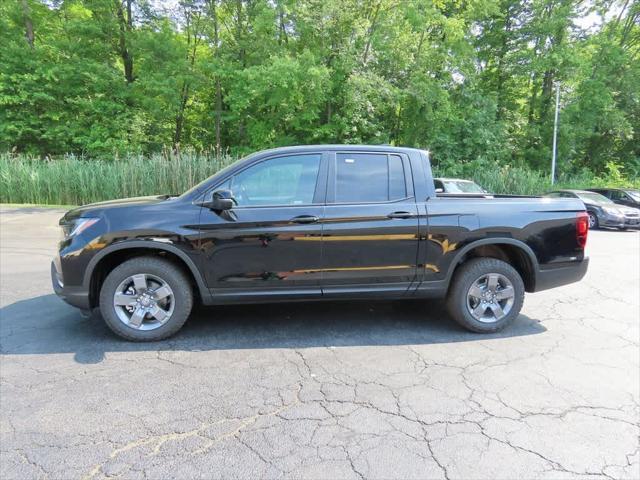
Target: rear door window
x: 369, y: 178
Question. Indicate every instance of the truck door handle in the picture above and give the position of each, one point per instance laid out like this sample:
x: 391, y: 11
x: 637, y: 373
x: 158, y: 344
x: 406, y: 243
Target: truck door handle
x: 304, y: 219
x: 401, y: 215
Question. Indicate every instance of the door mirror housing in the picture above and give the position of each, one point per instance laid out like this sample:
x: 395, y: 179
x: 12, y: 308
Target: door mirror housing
x: 439, y: 190
x: 220, y: 200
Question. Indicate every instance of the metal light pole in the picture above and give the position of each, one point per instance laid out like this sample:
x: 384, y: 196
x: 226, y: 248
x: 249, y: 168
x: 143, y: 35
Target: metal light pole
x: 555, y: 135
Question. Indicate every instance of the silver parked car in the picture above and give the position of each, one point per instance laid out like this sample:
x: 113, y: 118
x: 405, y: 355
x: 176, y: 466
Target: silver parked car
x: 458, y: 186
x: 602, y: 211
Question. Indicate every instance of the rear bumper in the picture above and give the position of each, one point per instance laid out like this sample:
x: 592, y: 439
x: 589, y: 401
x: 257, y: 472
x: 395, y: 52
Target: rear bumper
x: 555, y: 277
x: 75, y: 296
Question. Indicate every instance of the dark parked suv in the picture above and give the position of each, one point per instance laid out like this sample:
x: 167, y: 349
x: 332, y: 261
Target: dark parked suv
x: 627, y: 197
x: 311, y: 223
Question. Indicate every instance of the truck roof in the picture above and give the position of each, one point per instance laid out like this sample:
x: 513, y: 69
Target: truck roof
x: 349, y: 148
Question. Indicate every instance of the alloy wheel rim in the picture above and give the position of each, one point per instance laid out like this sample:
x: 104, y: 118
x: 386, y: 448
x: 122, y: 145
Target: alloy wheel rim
x: 144, y: 301
x: 592, y: 220
x: 490, y: 298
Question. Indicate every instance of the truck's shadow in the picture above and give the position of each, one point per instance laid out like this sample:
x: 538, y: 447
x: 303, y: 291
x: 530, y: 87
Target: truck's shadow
x: 44, y: 325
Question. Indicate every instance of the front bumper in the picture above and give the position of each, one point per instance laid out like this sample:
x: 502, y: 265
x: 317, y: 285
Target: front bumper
x: 557, y: 276
x: 608, y: 220
x: 632, y: 222
x: 75, y: 296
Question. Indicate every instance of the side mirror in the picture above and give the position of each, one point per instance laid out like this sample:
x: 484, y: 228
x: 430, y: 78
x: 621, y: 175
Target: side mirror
x: 439, y: 190
x: 220, y: 200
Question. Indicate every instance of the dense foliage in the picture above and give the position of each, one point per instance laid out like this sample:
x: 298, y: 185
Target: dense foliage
x: 471, y: 80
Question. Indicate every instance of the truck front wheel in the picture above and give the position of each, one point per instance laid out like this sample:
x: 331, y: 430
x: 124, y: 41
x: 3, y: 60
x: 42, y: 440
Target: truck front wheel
x: 146, y: 299
x: 486, y: 295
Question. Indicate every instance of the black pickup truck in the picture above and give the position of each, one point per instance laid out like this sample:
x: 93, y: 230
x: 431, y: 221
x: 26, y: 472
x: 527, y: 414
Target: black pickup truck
x: 310, y: 223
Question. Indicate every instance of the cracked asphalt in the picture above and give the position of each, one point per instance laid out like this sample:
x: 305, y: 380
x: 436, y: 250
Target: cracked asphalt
x: 324, y: 390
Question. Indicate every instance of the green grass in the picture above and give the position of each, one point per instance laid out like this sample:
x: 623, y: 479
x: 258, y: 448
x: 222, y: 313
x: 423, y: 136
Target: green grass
x: 73, y: 180
x: 522, y: 181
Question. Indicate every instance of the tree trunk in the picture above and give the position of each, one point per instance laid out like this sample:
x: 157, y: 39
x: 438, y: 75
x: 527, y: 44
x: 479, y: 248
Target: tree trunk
x: 547, y: 94
x: 501, y: 76
x: 192, y: 32
x: 282, y: 31
x: 125, y: 25
x: 371, y: 31
x: 218, y: 115
x: 241, y: 58
x: 218, y: 109
x: 177, y: 135
x: 533, y: 99
x: 28, y: 23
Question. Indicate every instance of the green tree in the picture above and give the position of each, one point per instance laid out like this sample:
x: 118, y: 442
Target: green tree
x: 473, y: 81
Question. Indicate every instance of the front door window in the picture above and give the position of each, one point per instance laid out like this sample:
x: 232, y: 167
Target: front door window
x: 285, y: 181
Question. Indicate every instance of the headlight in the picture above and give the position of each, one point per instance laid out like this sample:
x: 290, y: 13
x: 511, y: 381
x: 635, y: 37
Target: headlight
x: 612, y: 211
x: 77, y: 227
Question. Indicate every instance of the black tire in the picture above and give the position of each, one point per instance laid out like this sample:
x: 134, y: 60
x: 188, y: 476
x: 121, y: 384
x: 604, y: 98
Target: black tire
x: 594, y: 224
x: 464, y: 278
x: 160, y: 268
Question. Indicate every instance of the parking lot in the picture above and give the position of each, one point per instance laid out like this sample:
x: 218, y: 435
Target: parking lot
x: 323, y: 390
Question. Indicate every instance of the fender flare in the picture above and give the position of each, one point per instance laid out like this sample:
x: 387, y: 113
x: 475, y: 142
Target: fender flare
x: 495, y: 241
x: 150, y: 245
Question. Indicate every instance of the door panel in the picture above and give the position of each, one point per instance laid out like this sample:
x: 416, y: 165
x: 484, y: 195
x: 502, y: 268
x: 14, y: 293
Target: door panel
x: 263, y: 248
x: 270, y: 243
x: 370, y: 228
x: 362, y: 245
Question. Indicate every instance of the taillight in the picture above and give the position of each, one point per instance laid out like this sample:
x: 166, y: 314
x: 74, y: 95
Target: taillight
x: 582, y: 228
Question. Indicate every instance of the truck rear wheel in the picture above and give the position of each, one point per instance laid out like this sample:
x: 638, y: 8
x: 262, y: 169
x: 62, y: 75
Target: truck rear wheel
x: 146, y: 299
x: 486, y: 295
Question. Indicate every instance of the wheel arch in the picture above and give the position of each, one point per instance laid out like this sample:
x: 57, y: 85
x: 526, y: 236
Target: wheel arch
x: 106, y: 260
x: 595, y: 212
x: 515, y: 252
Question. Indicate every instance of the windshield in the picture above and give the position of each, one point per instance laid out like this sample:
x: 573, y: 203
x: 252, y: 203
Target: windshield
x: 635, y: 194
x: 460, y: 186
x: 593, y: 197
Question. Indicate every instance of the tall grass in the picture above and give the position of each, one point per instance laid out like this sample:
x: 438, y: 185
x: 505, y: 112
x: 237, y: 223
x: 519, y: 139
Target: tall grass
x: 524, y: 181
x: 73, y: 180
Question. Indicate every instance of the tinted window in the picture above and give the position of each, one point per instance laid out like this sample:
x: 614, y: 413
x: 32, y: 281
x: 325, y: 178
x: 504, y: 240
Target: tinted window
x: 616, y: 195
x: 289, y: 180
x: 366, y: 177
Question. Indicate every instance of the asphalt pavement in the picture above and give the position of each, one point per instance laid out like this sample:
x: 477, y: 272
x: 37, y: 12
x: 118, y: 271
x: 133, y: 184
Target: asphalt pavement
x: 321, y: 390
